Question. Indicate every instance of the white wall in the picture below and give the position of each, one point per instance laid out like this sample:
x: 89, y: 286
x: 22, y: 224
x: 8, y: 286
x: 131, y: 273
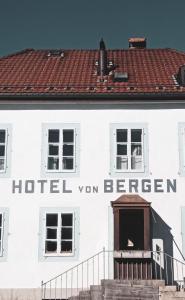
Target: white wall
x: 22, y: 261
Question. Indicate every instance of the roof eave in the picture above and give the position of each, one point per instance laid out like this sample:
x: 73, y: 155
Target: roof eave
x: 86, y: 97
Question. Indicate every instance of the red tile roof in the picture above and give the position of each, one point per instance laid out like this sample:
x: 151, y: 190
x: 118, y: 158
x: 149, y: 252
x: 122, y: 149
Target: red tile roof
x: 32, y: 72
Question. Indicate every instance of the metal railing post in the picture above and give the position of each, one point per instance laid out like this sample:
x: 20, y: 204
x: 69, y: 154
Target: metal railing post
x: 172, y: 273
x: 160, y: 266
x: 61, y: 286
x: 166, y: 268
x: 55, y: 289
x: 103, y: 262
x: 42, y: 291
x: 50, y: 290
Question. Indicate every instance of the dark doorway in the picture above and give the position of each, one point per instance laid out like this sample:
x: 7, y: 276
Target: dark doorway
x: 131, y: 228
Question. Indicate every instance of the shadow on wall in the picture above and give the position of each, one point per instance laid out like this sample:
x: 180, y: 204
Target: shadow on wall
x: 162, y: 240
x: 161, y: 231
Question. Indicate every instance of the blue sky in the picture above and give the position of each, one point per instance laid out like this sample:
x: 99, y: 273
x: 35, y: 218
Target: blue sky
x: 79, y: 24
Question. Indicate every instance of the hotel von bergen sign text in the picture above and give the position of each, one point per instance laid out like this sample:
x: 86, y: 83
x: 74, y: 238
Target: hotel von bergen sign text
x: 56, y: 186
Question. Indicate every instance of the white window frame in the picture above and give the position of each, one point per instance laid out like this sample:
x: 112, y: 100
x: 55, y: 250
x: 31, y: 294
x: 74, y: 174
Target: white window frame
x: 2, y: 232
x: 113, y: 147
x: 181, y: 127
x: 45, y: 148
x: 4, y: 212
x: 7, y: 157
x: 59, y: 238
x: 183, y: 228
x: 59, y: 256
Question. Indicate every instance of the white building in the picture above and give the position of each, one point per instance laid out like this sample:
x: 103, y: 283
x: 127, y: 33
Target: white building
x: 78, y: 130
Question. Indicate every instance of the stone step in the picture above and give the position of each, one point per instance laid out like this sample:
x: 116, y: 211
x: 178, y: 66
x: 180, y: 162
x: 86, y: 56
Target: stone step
x: 136, y: 282
x: 85, y: 295
x: 173, y: 295
x: 127, y: 290
x: 96, y: 292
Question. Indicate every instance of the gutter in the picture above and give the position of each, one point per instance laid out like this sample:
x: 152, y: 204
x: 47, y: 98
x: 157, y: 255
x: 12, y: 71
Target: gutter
x: 86, y: 98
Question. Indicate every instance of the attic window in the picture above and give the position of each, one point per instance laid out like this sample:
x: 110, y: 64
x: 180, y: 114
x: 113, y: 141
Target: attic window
x: 54, y: 53
x: 120, y: 77
x: 181, y: 76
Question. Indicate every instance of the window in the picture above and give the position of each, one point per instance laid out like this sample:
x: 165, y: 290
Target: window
x: 59, y: 232
x: 59, y: 237
x: 183, y: 228
x: 61, y: 143
x: 129, y: 148
x: 5, y: 138
x: 3, y: 233
x: 182, y: 148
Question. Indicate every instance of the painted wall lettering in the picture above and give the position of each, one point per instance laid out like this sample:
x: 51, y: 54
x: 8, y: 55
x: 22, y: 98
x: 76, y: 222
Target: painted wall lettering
x: 56, y: 186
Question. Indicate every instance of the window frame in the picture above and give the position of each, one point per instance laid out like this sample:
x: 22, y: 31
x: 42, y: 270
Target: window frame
x: 45, y: 172
x: 43, y: 256
x: 4, y: 234
x: 7, y: 157
x: 113, y: 149
x: 181, y: 130
x: 58, y: 236
x: 183, y: 228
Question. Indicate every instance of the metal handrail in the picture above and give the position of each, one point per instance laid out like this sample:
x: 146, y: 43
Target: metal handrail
x: 97, y: 267
x: 76, y: 266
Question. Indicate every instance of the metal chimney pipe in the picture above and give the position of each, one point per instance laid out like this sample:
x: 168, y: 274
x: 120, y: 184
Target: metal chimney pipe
x: 102, y: 59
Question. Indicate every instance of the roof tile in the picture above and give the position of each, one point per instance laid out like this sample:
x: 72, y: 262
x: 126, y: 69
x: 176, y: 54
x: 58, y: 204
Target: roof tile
x: 33, y: 71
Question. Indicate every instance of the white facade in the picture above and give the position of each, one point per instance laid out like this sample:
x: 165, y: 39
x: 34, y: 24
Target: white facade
x: 24, y: 264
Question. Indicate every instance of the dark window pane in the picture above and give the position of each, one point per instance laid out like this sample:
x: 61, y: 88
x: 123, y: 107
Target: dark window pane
x: 66, y: 246
x: 51, y: 220
x: 51, y: 233
x: 121, y: 135
x: 68, y: 135
x: 2, y: 136
x: 0, y: 220
x: 67, y: 219
x: 53, y: 135
x: 136, y: 135
x: 136, y: 163
x: 121, y: 149
x: 68, y: 163
x: 122, y: 163
x: 2, y: 150
x: 136, y: 150
x: 66, y: 233
x: 53, y: 163
x: 53, y: 150
x: 68, y: 150
x: 51, y: 246
x: 0, y: 234
x: 2, y: 164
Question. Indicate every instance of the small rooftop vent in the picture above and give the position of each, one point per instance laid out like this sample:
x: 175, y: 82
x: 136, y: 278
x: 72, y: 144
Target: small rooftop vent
x: 120, y: 77
x: 137, y: 42
x: 56, y: 53
x: 181, y: 75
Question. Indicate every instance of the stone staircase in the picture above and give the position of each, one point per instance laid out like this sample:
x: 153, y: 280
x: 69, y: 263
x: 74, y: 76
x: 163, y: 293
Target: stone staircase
x: 128, y: 290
